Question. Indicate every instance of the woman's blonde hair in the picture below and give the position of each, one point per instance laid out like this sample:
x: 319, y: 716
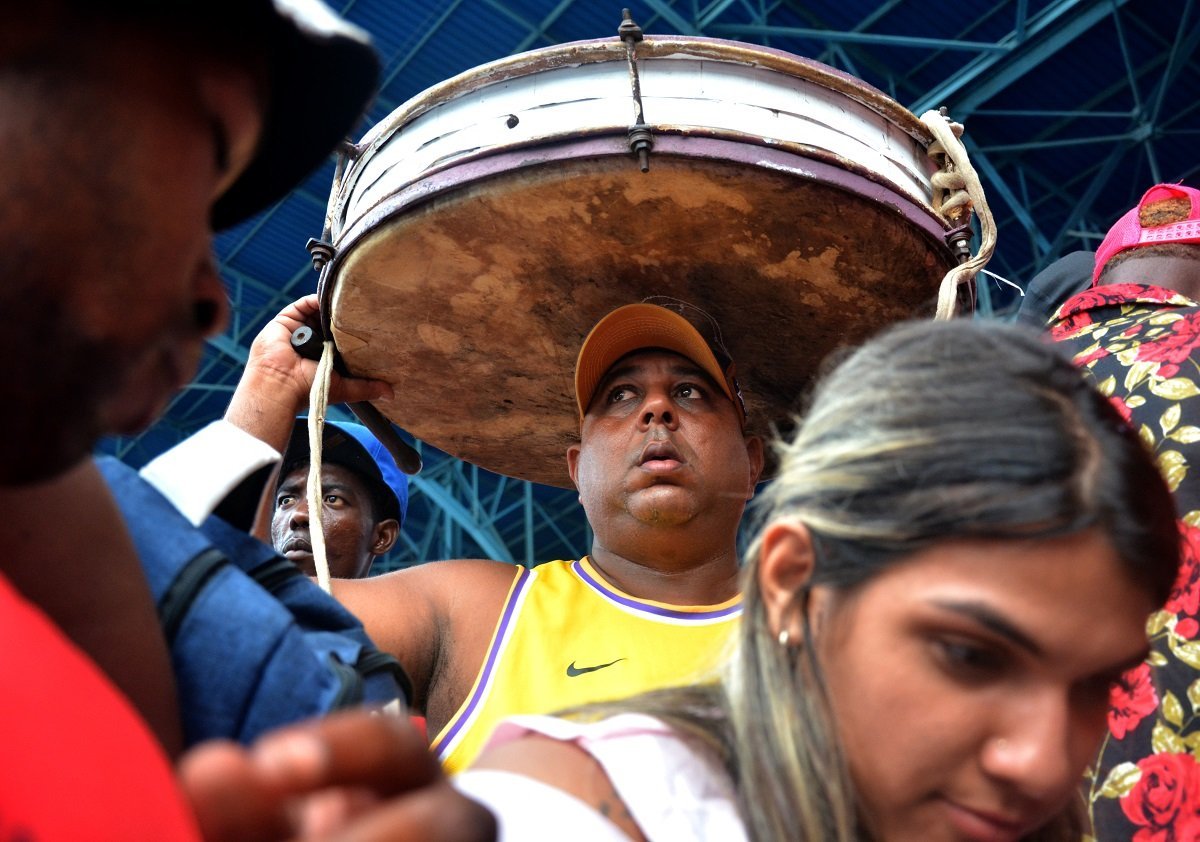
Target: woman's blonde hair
x: 932, y: 431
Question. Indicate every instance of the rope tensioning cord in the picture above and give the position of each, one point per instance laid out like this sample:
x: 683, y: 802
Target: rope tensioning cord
x: 957, y: 192
x: 318, y: 402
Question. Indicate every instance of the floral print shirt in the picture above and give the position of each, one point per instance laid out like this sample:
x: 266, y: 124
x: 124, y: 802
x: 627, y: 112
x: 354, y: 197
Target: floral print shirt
x: 1141, y: 346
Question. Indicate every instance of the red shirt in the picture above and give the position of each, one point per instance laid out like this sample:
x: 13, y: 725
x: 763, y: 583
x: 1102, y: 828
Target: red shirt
x: 78, y: 762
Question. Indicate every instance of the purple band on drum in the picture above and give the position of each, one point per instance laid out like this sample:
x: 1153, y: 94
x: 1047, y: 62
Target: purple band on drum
x: 805, y: 164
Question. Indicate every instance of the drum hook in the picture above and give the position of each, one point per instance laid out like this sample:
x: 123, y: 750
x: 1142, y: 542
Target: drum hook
x: 641, y: 139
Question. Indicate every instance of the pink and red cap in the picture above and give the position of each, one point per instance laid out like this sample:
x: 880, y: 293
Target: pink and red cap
x: 1128, y: 232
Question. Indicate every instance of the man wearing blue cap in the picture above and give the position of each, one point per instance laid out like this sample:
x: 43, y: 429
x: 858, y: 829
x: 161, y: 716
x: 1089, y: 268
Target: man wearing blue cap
x: 365, y: 498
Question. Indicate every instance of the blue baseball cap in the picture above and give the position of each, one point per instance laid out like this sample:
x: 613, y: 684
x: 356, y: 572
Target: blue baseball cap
x: 354, y: 447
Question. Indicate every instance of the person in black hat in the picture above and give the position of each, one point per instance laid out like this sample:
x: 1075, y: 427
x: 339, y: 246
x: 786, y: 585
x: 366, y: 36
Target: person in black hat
x: 131, y: 130
x: 366, y: 496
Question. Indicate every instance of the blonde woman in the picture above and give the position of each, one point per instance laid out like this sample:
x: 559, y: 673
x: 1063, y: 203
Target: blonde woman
x: 954, y: 564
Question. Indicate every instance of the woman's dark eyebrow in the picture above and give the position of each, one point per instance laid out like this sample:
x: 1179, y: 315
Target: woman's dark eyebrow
x: 989, y: 619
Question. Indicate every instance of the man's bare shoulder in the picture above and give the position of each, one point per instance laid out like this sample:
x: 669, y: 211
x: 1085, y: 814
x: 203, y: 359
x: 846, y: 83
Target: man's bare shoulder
x: 429, y: 593
x: 435, y: 618
x: 453, y: 574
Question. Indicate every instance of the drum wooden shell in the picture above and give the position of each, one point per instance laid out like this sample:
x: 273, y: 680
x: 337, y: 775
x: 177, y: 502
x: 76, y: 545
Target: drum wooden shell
x: 487, y: 224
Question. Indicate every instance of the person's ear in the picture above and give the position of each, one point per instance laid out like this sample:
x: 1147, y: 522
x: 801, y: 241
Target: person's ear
x: 754, y: 452
x: 573, y: 463
x: 785, y: 568
x: 385, y: 535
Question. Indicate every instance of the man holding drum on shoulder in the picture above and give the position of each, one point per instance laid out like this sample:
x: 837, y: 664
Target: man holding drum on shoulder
x: 664, y: 468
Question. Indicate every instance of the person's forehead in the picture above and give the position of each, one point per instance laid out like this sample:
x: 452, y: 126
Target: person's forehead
x: 332, y: 473
x: 643, y: 358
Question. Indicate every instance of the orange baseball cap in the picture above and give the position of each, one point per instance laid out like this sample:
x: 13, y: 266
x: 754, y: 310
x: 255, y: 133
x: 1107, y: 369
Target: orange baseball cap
x: 635, y: 327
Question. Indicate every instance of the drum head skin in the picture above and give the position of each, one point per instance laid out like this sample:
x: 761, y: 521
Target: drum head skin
x: 471, y: 290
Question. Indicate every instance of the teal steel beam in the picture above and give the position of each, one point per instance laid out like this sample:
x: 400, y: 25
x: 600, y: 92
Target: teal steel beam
x: 425, y: 38
x: 227, y: 346
x: 866, y: 23
x: 1131, y: 135
x: 1128, y: 62
x: 664, y: 11
x: 995, y: 183
x: 990, y: 73
x: 834, y: 35
x: 1064, y: 188
x: 457, y: 514
x: 714, y: 11
x: 544, y: 24
x: 858, y: 56
x: 1083, y: 204
x: 507, y: 12
x: 1181, y: 52
x: 983, y: 18
x: 552, y: 522
x: 527, y: 508
x: 1040, y: 113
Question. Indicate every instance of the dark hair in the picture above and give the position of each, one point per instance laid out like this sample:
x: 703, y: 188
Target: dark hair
x: 970, y: 430
x: 1179, y: 251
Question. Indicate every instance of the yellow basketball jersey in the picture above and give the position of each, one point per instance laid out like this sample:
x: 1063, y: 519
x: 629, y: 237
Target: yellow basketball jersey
x: 566, y: 637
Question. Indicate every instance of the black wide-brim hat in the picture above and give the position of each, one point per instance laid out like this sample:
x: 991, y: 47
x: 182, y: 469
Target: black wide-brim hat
x: 323, y: 72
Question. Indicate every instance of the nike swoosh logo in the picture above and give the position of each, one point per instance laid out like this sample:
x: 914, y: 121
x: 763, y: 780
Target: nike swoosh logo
x: 573, y: 670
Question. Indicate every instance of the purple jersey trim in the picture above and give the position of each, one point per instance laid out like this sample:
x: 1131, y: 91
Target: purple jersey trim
x: 441, y: 746
x: 657, y: 610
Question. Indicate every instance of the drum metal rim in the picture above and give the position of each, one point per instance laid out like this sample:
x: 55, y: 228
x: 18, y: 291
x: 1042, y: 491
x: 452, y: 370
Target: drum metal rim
x: 577, y: 53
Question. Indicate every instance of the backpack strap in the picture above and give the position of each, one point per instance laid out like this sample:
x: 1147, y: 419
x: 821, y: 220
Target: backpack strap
x: 178, y: 599
x: 254, y: 644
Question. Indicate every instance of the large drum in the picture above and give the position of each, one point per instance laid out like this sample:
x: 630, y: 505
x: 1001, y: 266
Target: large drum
x: 483, y: 227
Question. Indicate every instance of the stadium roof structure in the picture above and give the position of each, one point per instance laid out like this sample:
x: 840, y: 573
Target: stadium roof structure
x: 1073, y: 108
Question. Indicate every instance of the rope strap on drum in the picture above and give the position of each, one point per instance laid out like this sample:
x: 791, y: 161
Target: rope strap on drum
x: 957, y: 192
x: 318, y: 403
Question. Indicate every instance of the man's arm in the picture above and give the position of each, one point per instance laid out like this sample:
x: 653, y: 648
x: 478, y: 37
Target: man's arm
x: 437, y: 619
